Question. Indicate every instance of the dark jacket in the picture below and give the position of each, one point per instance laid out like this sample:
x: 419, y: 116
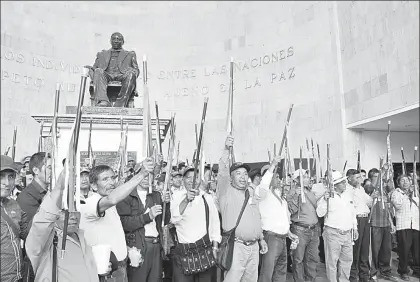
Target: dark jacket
x: 133, y: 218
x: 126, y: 60
x: 30, y: 199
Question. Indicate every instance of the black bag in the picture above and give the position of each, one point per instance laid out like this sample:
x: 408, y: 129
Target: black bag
x: 225, y: 254
x: 196, y: 257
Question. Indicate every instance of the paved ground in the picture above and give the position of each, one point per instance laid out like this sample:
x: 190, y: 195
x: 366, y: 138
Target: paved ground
x: 323, y: 278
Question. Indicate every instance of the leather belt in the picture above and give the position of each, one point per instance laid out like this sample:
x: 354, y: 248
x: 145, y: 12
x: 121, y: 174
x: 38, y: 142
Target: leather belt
x: 246, y: 243
x: 153, y: 240
x: 306, y: 226
x: 363, y: 215
x: 342, y: 232
x: 281, y: 236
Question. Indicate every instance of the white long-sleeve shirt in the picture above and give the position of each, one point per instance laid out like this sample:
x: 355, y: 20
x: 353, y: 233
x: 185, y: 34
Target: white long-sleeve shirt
x: 191, y: 225
x: 362, y: 201
x: 341, y: 211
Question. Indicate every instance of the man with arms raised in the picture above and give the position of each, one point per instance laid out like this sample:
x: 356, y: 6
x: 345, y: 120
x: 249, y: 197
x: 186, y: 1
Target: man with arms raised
x: 232, y: 187
x: 78, y: 263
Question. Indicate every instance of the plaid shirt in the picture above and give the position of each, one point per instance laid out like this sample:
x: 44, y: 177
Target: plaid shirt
x: 406, y: 212
x: 380, y: 216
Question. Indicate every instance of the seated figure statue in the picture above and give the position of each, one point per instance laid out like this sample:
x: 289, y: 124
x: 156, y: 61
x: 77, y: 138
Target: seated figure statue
x: 115, y: 64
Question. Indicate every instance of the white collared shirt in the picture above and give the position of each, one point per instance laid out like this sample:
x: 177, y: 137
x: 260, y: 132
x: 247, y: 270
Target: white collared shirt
x: 341, y: 211
x: 275, y: 216
x: 191, y: 225
x: 362, y: 201
x: 406, y: 212
x: 150, y: 229
x: 103, y: 230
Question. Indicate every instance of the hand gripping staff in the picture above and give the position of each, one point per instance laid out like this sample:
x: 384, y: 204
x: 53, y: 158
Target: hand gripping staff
x: 200, y: 138
x: 69, y: 201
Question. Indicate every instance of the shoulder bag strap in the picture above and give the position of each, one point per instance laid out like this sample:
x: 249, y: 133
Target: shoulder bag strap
x: 54, y: 266
x: 206, y: 207
x: 10, y: 222
x: 243, y: 208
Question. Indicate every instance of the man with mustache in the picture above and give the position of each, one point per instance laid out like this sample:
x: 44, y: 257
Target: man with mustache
x: 141, y: 218
x: 232, y: 188
x: 191, y: 213
x: 78, y: 263
x: 115, y: 64
x: 12, y: 228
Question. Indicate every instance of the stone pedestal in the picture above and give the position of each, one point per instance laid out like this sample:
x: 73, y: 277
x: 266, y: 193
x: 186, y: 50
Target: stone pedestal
x: 106, y: 132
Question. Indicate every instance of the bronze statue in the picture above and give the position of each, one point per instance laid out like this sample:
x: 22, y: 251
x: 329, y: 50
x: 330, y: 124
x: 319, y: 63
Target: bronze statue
x: 115, y: 64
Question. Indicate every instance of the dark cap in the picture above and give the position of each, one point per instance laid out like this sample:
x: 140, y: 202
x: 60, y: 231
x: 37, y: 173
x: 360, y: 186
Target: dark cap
x: 254, y: 172
x: 176, y: 173
x: 187, y: 170
x: 161, y: 177
x: 215, y: 168
x: 235, y: 166
x: 181, y: 165
x: 7, y: 163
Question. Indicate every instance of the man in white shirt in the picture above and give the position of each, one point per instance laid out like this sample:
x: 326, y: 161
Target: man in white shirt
x: 275, y: 219
x: 362, y: 203
x: 99, y: 217
x: 340, y: 229
x: 188, y: 214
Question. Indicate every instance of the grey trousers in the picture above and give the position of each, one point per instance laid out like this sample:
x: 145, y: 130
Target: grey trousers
x: 244, y: 263
x: 338, y: 254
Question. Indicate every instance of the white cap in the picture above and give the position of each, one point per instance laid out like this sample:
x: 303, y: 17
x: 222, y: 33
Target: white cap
x: 337, y: 177
x: 296, y: 174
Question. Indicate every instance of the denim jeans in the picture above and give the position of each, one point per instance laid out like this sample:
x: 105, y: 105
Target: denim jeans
x: 305, y: 256
x: 274, y: 262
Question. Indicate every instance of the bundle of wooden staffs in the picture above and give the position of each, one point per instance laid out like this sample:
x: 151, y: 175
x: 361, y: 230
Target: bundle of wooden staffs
x: 230, y: 113
x: 166, y: 188
x: 200, y: 138
x: 330, y: 184
x: 69, y: 201
x: 147, y: 124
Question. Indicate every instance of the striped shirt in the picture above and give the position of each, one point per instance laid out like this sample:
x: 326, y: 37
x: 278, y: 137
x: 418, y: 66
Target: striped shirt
x: 406, y: 212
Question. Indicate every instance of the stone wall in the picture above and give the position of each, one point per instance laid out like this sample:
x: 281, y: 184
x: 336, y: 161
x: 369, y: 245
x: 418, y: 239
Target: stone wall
x: 284, y: 52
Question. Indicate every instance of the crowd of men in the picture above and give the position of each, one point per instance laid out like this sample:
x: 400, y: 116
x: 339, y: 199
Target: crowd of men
x: 275, y: 223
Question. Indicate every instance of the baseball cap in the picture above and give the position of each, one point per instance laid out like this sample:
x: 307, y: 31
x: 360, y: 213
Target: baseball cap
x: 337, y: 177
x: 264, y: 169
x: 215, y: 168
x: 7, y: 163
x: 84, y: 169
x: 254, y: 172
x: 187, y: 170
x: 176, y: 173
x: 236, y: 166
x: 296, y: 174
x: 26, y: 160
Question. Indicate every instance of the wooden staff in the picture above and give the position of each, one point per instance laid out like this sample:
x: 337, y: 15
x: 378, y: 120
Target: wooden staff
x: 230, y: 112
x: 7, y: 151
x: 40, y: 137
x: 344, y: 168
x: 319, y: 161
x: 381, y: 161
x: 69, y: 205
x: 415, y: 183
x: 359, y: 168
x: 286, y: 127
x: 302, y: 191
x: 158, y: 137
x: 315, y: 162
x: 330, y: 184
x: 200, y: 138
x: 90, y: 150
x: 308, y: 157
x: 404, y: 167
x: 14, y: 143
x: 147, y: 130
x: 275, y: 150
x: 54, y: 131
x: 269, y: 155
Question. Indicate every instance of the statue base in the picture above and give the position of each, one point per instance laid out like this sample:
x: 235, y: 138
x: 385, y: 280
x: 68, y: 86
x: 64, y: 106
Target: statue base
x: 105, y: 135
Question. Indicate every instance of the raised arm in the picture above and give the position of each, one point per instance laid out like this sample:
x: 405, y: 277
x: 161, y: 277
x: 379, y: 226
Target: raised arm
x: 264, y: 187
x: 41, y: 233
x: 122, y: 192
x: 223, y: 177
